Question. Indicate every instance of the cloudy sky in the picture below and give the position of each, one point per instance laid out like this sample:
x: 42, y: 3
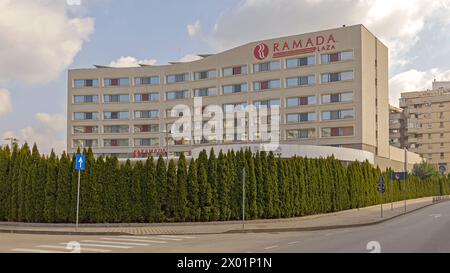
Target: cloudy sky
x: 41, y: 39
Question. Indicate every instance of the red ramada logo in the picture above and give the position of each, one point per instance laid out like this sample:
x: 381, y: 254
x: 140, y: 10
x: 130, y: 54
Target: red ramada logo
x: 295, y: 47
x: 261, y: 51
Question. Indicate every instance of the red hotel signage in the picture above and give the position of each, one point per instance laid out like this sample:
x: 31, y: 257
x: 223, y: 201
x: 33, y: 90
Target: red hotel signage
x: 144, y: 153
x: 295, y: 47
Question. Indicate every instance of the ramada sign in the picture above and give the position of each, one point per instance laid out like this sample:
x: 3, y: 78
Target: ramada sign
x: 295, y: 47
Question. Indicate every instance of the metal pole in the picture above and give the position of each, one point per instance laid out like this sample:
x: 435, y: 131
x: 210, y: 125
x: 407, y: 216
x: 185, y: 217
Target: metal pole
x: 406, y: 174
x: 392, y: 190
x: 78, y: 198
x: 243, y: 199
x: 381, y: 205
x: 167, y: 148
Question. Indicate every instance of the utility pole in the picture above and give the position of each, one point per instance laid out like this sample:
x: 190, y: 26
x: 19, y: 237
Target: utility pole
x: 406, y: 174
x: 13, y: 141
x: 243, y: 199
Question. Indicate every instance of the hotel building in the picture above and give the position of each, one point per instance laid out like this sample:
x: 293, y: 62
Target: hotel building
x: 331, y: 87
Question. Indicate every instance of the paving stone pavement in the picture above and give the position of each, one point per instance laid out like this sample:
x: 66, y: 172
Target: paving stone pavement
x: 356, y: 217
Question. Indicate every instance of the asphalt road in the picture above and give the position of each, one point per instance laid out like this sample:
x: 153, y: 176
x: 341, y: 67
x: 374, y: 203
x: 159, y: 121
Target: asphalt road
x: 426, y: 230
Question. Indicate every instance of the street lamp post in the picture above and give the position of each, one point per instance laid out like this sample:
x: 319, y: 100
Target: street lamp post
x: 406, y: 174
x: 166, y: 132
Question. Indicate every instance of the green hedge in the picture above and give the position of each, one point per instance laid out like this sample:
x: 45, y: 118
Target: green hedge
x: 36, y: 188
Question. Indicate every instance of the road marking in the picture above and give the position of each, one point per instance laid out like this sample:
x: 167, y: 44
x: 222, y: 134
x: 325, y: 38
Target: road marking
x: 293, y: 243
x: 176, y: 237
x: 134, y: 240
x: 270, y: 247
x: 436, y: 215
x: 114, y: 243
x: 82, y: 249
x: 37, y: 251
x: 100, y: 245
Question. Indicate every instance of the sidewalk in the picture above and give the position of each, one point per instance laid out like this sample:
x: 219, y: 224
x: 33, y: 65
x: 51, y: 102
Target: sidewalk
x: 344, y: 219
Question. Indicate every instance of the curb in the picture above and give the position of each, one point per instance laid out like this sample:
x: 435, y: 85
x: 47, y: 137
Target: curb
x: 319, y: 228
x: 71, y: 233
x: 316, y: 228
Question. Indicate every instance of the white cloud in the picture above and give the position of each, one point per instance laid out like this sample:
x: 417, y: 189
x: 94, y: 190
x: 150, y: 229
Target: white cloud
x: 56, y: 123
x: 5, y: 102
x: 414, y: 80
x: 48, y: 133
x: 130, y: 62
x: 190, y: 58
x: 397, y: 23
x: 194, y: 29
x: 38, y: 40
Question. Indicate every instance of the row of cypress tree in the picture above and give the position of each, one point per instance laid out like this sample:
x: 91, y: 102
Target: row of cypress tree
x: 38, y: 188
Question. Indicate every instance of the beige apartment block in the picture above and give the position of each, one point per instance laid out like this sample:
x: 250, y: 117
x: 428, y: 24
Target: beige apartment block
x: 397, y: 127
x: 331, y: 87
x: 427, y: 115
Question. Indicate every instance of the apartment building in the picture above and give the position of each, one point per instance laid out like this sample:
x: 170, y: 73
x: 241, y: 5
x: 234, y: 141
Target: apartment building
x: 331, y: 88
x: 397, y: 127
x: 427, y: 115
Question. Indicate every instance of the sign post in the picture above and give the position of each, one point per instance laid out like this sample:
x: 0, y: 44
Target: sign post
x: 382, y: 190
x: 243, y: 198
x: 80, y: 165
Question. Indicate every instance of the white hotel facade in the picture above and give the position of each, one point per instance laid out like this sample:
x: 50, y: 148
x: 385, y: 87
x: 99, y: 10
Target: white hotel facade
x: 331, y: 88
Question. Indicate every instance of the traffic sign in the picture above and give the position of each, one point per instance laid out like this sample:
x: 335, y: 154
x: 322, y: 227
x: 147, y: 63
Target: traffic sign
x: 382, y: 185
x: 80, y: 162
x: 398, y: 176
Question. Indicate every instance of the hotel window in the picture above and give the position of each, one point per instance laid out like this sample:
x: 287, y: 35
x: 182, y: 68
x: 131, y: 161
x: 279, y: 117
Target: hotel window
x: 116, y: 98
x: 265, y: 85
x: 302, y: 117
x: 335, y: 98
x: 117, y: 82
x: 441, y: 125
x: 335, y: 77
x: 307, y: 100
x: 116, y: 142
x: 178, y: 78
x: 116, y: 115
x: 148, y: 97
x: 337, y: 57
x: 85, y: 129
x: 178, y: 95
x: 337, y: 132
x: 116, y: 129
x: 203, y: 75
x: 227, y: 108
x: 300, y: 81
x: 299, y: 62
x: 147, y: 128
x: 267, y: 103
x: 337, y: 115
x: 85, y: 99
x: 234, y: 71
x: 85, y: 83
x: 205, y: 92
x: 236, y: 88
x: 146, y: 142
x: 269, y: 66
x: 301, y: 134
x: 85, y: 143
x: 147, y: 80
x: 146, y: 114
x: 85, y: 116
